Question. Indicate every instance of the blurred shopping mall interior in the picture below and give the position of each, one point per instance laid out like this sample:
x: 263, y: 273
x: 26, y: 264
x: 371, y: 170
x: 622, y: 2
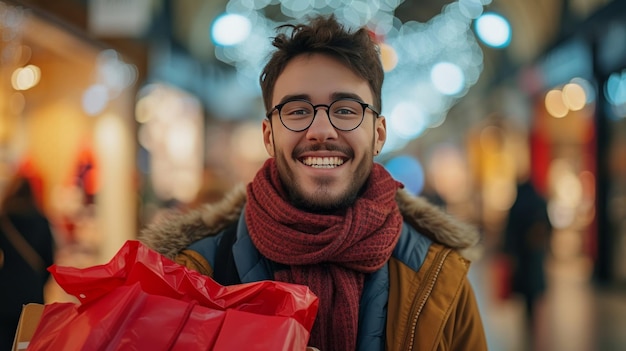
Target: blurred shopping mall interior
x: 120, y: 111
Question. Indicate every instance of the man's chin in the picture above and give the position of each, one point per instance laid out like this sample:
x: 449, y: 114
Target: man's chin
x: 324, y: 202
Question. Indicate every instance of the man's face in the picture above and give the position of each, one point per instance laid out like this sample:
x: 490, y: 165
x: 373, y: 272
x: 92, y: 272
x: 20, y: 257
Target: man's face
x: 322, y: 168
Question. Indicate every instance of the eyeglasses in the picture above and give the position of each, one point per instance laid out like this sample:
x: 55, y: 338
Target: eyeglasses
x: 344, y: 114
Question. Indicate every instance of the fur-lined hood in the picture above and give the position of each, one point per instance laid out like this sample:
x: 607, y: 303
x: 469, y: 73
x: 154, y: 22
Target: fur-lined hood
x: 174, y: 232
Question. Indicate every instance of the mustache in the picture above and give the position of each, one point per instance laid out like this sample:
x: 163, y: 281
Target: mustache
x: 299, y: 150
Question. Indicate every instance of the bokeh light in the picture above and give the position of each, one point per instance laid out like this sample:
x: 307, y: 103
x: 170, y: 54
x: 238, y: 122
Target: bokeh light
x: 407, y: 170
x: 494, y: 30
x: 615, y: 92
x: 388, y: 56
x: 448, y: 78
x: 95, y: 99
x: 26, y: 77
x: 407, y: 120
x: 555, y: 105
x: 574, y: 96
x: 444, y: 48
x: 230, y: 29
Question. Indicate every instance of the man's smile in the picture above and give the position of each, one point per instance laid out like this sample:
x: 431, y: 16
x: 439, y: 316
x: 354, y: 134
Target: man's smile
x: 322, y: 162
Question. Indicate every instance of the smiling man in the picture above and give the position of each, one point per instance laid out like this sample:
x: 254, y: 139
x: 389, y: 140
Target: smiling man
x: 387, y: 266
x: 324, y: 150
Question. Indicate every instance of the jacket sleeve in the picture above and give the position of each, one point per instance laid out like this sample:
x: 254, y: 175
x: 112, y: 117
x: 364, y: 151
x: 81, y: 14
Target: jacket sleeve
x: 464, y: 329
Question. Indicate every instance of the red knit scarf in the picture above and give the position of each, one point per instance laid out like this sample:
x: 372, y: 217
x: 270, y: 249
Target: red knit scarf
x: 329, y: 253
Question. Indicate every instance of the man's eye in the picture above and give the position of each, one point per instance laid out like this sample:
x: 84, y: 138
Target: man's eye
x: 300, y: 112
x: 297, y: 111
x: 343, y: 111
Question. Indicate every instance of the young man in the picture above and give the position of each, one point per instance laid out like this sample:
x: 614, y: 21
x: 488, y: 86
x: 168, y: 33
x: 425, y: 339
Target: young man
x: 321, y: 213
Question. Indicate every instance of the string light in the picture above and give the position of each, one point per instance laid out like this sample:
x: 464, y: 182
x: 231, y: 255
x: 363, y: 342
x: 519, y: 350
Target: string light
x: 409, y: 50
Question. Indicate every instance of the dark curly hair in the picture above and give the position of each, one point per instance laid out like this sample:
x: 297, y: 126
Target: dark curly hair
x: 327, y: 36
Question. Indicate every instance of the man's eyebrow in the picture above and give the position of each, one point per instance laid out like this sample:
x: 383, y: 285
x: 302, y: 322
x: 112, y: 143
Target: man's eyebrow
x: 294, y: 97
x: 333, y: 97
x: 344, y: 95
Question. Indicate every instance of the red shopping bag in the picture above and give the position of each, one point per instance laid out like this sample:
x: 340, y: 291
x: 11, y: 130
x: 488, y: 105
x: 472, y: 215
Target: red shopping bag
x: 141, y: 300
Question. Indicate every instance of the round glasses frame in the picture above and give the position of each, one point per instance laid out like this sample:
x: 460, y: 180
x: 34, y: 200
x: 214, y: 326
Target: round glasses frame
x: 315, y: 108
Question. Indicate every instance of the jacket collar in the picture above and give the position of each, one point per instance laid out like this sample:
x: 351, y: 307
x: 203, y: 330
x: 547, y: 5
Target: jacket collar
x: 175, y: 231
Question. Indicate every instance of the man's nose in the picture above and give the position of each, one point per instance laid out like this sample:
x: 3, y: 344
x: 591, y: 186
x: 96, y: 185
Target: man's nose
x: 321, y: 129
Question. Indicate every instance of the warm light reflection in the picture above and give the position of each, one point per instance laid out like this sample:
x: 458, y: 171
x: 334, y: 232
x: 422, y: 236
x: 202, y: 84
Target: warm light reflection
x: 498, y: 169
x: 388, y: 56
x: 574, y: 96
x: 555, y: 105
x: 108, y: 132
x: 113, y: 144
x: 181, y: 138
x: 26, y: 77
x: 588, y: 88
x: 172, y: 133
x: 566, y: 193
x: 499, y: 193
x: 568, y: 189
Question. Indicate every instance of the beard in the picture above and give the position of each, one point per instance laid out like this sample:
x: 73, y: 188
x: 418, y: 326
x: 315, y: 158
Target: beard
x: 323, y: 199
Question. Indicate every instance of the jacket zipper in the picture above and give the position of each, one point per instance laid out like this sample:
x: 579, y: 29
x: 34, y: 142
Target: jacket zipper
x: 417, y: 309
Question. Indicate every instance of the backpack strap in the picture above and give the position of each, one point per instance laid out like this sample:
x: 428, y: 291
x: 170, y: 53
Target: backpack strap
x: 225, y: 271
x: 21, y: 245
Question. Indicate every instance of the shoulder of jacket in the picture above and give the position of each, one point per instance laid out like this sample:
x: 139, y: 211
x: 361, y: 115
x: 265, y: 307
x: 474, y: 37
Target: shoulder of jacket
x: 439, y: 226
x: 175, y: 231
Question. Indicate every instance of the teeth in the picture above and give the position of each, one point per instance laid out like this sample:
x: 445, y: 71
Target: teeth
x: 323, y: 162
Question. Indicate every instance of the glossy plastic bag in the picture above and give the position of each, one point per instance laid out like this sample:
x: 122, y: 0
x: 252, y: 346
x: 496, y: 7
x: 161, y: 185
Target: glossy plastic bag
x: 141, y: 300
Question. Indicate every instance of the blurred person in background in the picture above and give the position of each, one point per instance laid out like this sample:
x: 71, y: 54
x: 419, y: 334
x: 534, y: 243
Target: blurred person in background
x: 526, y: 242
x: 386, y: 265
x: 26, y: 251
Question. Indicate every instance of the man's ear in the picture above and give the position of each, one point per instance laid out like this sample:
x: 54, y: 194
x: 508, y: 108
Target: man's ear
x: 268, y: 137
x: 380, y: 134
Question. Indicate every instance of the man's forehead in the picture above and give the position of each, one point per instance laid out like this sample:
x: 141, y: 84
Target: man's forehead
x: 322, y: 78
x: 333, y: 96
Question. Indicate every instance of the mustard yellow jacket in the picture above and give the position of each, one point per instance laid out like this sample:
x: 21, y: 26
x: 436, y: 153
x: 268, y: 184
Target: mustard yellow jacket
x: 429, y: 302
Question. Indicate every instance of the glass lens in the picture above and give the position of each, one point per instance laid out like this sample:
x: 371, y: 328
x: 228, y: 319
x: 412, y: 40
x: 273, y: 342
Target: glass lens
x: 346, y: 114
x: 297, y: 115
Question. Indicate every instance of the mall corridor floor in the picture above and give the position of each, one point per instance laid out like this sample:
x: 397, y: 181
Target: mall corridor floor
x: 574, y: 314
